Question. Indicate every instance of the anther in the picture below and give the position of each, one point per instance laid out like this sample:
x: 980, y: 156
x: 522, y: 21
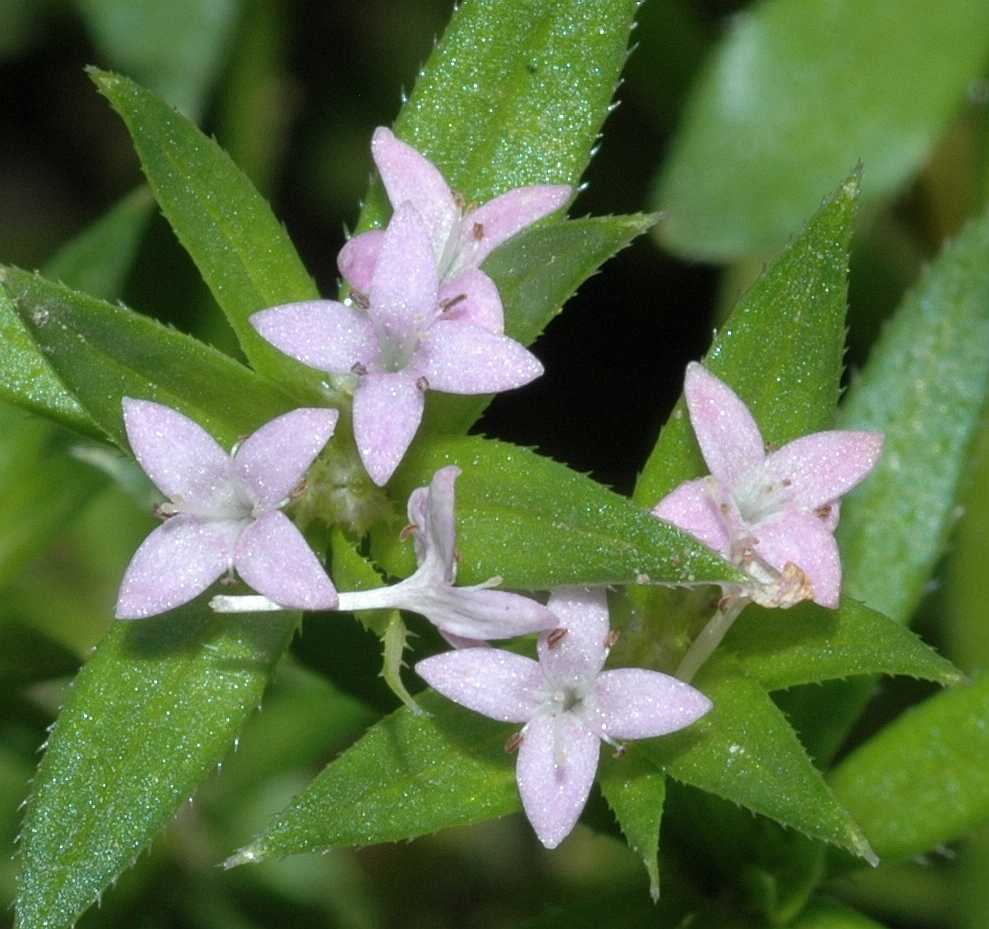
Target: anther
x: 555, y: 637
x: 612, y: 637
x: 358, y: 369
x: 165, y: 510
x: 477, y: 231
x: 513, y: 742
x: 823, y: 512
x: 408, y: 531
x: 360, y: 300
x: 422, y: 384
x: 451, y: 302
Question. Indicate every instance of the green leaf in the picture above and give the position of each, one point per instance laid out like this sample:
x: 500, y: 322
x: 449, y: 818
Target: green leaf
x: 537, y: 524
x: 796, y: 93
x: 105, y: 352
x: 408, y: 776
x: 99, y: 259
x: 41, y: 487
x: 537, y: 273
x: 780, y: 350
x: 922, y: 781
x: 515, y: 93
x: 809, y: 644
x: 636, y: 793
x: 150, y: 716
x: 26, y: 378
x: 351, y: 571
x: 745, y: 751
x: 242, y: 251
x: 924, y: 387
x: 176, y: 49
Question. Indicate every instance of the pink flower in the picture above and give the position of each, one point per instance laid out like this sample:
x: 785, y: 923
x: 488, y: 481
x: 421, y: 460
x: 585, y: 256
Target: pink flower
x: 224, y: 511
x: 404, y: 344
x: 774, y: 514
x: 460, y: 238
x: 474, y: 613
x: 567, y: 703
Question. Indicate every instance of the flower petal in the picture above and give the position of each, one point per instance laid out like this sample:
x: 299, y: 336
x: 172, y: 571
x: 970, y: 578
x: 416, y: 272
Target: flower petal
x: 440, y: 531
x: 410, y: 177
x: 183, y: 459
x: 404, y: 288
x: 175, y: 564
x: 817, y: 469
x: 485, y: 228
x: 323, y: 334
x: 272, y: 462
x: 358, y: 257
x: 475, y: 613
x: 274, y: 559
x: 726, y: 432
x: 558, y: 759
x: 387, y: 412
x: 580, y: 654
x: 495, y: 683
x: 633, y: 703
x: 473, y: 298
x: 461, y: 358
x: 804, y: 540
x: 693, y: 507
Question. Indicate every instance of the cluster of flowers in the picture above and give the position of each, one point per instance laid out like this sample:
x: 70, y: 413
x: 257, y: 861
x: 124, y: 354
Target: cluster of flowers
x: 422, y: 315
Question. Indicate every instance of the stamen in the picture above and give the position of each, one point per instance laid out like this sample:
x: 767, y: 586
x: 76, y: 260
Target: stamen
x: 358, y: 369
x: 407, y: 532
x: 165, y: 510
x: 611, y: 638
x: 422, y: 384
x: 477, y: 232
x: 513, y: 742
x: 823, y: 512
x: 556, y: 637
x: 451, y: 302
x: 360, y: 300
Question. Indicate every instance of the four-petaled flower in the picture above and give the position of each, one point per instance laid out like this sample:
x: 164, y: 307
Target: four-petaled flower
x: 223, y: 511
x: 476, y: 613
x: 774, y: 514
x: 568, y: 704
x: 404, y: 344
x: 460, y: 238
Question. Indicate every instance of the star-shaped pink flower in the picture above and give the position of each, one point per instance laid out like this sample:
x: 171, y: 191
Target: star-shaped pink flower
x: 770, y: 513
x: 404, y: 344
x: 474, y: 613
x: 460, y: 238
x: 224, y: 511
x: 568, y: 704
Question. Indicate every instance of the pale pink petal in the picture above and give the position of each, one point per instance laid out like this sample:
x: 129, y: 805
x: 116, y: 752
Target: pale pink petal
x: 694, y: 507
x: 476, y: 613
x: 358, y: 257
x: 272, y: 462
x: 323, y: 334
x: 184, y: 461
x: 472, y: 297
x: 387, y: 412
x: 579, y: 655
x: 558, y: 759
x: 499, y: 684
x: 461, y: 358
x: 817, y: 469
x: 804, y: 540
x: 441, y: 531
x: 484, y: 229
x: 417, y: 508
x: 274, y: 559
x: 404, y: 287
x: 632, y: 703
x: 175, y: 564
x: 726, y: 432
x: 411, y: 178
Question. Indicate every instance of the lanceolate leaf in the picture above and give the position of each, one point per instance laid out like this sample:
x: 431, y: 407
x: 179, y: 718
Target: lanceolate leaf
x: 408, y: 776
x: 537, y: 524
x: 923, y: 780
x: 781, y: 349
x: 151, y: 715
x: 537, y: 273
x: 808, y: 644
x: 515, y: 93
x: 924, y: 387
x: 636, y: 793
x: 104, y: 352
x: 776, y: 117
x: 745, y: 751
x: 242, y: 251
